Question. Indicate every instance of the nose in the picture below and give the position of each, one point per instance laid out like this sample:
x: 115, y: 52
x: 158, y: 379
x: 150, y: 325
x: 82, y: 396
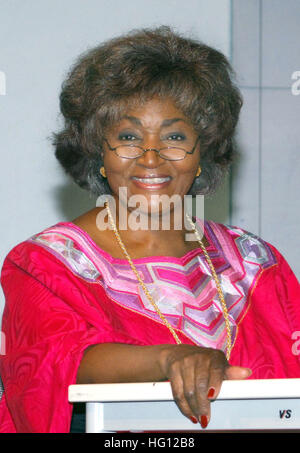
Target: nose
x: 151, y: 157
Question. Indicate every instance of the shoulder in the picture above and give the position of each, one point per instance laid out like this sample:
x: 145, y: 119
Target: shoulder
x: 57, y: 248
x: 245, y: 244
x: 255, y: 262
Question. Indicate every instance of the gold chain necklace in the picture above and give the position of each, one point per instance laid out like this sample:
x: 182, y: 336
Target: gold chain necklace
x: 162, y: 317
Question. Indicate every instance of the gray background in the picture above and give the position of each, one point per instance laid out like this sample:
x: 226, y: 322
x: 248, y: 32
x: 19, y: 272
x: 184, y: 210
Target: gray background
x: 39, y: 40
x: 265, y: 184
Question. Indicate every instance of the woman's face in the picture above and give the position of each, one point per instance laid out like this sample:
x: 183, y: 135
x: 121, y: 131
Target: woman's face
x: 153, y: 125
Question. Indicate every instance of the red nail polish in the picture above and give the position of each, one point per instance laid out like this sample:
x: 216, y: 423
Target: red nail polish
x: 204, y: 421
x: 193, y: 419
x: 211, y: 393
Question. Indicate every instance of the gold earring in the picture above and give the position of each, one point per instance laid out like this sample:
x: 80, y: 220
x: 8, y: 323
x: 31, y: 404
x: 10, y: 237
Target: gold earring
x: 102, y: 172
x: 198, y: 172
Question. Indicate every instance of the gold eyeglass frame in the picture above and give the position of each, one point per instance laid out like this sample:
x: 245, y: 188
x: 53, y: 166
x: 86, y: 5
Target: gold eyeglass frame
x: 151, y: 149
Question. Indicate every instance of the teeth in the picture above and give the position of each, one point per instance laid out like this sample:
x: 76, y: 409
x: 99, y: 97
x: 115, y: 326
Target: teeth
x: 152, y: 180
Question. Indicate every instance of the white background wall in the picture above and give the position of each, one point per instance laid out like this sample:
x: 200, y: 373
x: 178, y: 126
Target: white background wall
x: 39, y: 40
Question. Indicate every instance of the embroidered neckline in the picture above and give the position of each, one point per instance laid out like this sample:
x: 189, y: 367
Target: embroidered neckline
x: 149, y: 259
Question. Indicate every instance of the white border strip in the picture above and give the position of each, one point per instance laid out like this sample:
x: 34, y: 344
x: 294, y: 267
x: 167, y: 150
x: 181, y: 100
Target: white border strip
x: 161, y: 391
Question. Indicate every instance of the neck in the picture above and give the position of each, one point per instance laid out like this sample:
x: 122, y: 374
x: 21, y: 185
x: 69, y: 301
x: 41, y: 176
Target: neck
x: 152, y: 228
x: 168, y: 216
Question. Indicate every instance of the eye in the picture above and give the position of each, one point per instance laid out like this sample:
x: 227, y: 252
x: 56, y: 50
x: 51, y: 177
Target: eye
x: 176, y: 137
x: 127, y: 137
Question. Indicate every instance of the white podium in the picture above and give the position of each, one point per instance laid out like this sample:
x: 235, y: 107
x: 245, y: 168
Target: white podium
x: 242, y: 405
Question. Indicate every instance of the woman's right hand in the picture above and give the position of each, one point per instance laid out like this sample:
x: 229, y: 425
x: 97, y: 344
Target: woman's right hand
x: 196, y: 375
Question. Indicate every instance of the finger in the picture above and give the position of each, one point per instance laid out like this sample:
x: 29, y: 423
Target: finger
x: 218, y: 369
x: 210, y: 375
x: 177, y: 387
x: 189, y: 386
x: 217, y: 375
x: 202, y: 378
x: 237, y: 372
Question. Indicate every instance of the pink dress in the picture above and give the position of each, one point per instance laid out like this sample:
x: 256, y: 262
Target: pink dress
x: 63, y: 294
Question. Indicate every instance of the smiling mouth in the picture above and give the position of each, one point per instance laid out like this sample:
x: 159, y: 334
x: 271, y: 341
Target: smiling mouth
x: 152, y: 181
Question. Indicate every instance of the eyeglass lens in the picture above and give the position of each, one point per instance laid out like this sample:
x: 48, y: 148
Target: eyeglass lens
x: 132, y: 152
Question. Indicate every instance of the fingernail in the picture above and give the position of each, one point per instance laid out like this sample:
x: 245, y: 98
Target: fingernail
x: 203, y: 421
x: 193, y: 419
x: 211, y: 393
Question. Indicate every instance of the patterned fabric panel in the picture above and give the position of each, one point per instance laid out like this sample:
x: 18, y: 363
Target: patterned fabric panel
x: 183, y: 288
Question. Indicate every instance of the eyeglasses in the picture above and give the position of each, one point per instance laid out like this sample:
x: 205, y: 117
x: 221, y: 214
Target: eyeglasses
x: 134, y: 151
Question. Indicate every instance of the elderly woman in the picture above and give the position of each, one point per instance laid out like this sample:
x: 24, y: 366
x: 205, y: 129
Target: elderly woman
x: 154, y: 114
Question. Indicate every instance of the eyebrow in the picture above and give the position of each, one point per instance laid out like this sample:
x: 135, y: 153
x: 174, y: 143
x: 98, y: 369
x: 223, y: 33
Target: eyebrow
x: 165, y: 123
